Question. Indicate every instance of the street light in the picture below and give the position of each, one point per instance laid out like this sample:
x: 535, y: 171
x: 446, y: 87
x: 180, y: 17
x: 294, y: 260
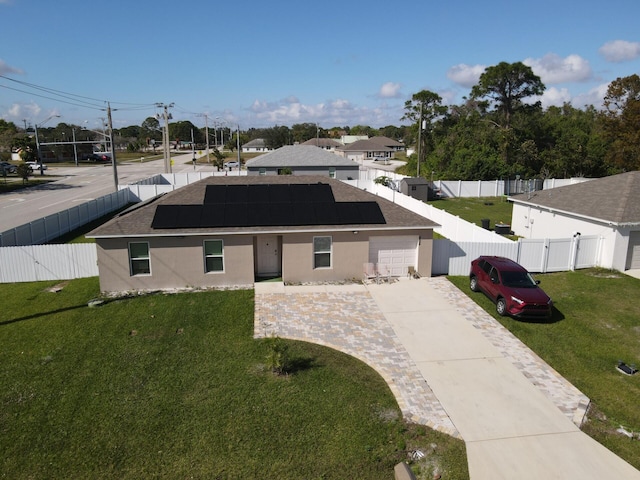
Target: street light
x: 38, y: 141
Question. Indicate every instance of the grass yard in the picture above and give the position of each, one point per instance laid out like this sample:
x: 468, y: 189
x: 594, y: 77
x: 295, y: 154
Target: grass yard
x: 596, y: 323
x: 473, y: 210
x: 175, y: 386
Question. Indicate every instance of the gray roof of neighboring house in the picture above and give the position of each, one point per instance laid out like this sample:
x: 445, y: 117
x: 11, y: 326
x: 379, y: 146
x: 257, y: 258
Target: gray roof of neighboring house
x: 614, y: 199
x: 137, y: 221
x: 386, y: 141
x: 300, y: 156
x: 255, y: 143
x: 322, y: 142
x: 365, y: 146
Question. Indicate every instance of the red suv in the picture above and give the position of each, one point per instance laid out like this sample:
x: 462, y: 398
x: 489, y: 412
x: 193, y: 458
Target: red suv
x: 510, y: 286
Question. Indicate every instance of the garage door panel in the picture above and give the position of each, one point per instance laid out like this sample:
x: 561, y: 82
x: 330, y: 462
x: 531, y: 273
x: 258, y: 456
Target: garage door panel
x: 633, y: 252
x: 398, y: 253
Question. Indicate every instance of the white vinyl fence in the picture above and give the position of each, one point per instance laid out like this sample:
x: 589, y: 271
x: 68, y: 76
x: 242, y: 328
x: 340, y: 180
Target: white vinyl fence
x: 54, y: 226
x: 32, y: 263
x: 543, y: 255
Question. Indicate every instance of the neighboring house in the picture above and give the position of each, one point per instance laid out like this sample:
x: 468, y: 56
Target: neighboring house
x: 389, y: 142
x: 303, y: 160
x: 324, y: 143
x: 418, y: 188
x: 608, y: 207
x: 257, y: 145
x: 231, y: 231
x: 365, y: 150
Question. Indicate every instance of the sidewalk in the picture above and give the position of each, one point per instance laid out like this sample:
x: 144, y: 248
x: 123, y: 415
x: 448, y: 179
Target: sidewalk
x: 454, y: 368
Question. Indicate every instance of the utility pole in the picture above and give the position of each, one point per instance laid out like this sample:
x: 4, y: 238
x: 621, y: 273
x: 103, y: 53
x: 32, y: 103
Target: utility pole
x: 165, y: 136
x: 419, y: 140
x: 238, y: 148
x: 113, y: 148
x: 206, y: 132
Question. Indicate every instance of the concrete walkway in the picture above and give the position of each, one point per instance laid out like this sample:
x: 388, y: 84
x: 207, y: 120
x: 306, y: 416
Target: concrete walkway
x: 452, y: 367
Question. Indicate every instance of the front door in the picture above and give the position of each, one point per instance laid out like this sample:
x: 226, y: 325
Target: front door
x: 268, y: 253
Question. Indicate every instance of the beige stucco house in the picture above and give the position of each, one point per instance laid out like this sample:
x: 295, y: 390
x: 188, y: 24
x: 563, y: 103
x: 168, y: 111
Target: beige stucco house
x: 233, y: 231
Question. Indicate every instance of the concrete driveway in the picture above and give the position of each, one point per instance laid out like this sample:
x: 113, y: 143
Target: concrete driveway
x: 453, y: 367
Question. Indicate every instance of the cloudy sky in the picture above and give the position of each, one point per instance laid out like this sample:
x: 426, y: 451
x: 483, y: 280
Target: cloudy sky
x: 259, y: 64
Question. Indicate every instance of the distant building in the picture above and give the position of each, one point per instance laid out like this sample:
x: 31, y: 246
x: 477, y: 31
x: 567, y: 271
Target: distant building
x: 324, y: 143
x: 257, y: 145
x: 389, y: 142
x: 303, y: 160
x: 366, y: 150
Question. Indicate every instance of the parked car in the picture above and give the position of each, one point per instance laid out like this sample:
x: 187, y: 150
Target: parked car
x: 99, y: 157
x: 8, y: 167
x: 35, y: 166
x: 510, y: 287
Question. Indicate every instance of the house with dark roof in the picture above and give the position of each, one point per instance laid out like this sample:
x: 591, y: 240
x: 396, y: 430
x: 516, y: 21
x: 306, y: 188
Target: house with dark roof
x: 257, y: 145
x: 303, y: 160
x: 232, y: 231
x: 366, y: 150
x: 388, y: 142
x: 608, y: 207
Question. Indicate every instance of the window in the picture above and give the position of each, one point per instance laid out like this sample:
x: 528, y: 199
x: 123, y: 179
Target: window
x: 332, y: 172
x: 139, y: 260
x: 321, y: 252
x: 213, y: 256
x: 262, y: 171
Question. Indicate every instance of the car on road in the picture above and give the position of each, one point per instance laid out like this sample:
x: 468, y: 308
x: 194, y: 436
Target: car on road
x: 7, y: 168
x: 510, y: 286
x: 35, y: 166
x: 99, y: 157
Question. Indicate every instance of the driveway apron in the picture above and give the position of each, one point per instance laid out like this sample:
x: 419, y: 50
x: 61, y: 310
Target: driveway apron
x: 453, y: 367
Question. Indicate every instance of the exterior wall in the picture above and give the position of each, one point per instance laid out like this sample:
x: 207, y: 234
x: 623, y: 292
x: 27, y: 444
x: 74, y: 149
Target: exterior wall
x: 176, y: 262
x: 350, y: 252
x: 532, y: 222
x: 342, y: 173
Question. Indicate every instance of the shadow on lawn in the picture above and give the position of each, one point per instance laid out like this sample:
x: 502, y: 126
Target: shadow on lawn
x: 300, y: 364
x: 42, y: 314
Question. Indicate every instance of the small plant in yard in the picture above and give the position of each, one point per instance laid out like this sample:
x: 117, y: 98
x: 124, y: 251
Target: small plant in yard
x: 278, y: 355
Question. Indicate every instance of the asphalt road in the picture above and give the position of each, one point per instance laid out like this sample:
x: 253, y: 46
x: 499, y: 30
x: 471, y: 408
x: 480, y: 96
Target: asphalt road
x: 76, y: 185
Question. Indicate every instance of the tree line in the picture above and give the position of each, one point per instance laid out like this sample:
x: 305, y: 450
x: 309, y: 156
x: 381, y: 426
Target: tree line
x: 498, y: 131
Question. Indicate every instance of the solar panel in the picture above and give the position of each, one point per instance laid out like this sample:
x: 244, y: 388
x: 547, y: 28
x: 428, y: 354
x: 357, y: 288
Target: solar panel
x: 265, y: 205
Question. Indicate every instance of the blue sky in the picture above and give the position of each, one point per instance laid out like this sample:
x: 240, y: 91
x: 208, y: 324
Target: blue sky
x: 260, y: 64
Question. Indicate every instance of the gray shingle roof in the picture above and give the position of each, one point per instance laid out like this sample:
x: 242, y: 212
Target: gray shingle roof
x: 322, y: 142
x: 255, y: 143
x: 300, y: 156
x: 137, y: 222
x: 614, y: 199
x: 365, y: 146
x: 386, y: 141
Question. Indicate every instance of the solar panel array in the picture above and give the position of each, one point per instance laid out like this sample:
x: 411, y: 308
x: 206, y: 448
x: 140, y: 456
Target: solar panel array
x: 267, y: 206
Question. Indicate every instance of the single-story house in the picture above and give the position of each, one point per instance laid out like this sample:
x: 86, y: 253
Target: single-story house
x: 232, y: 231
x: 388, y: 142
x: 303, y: 160
x: 608, y: 207
x: 257, y: 145
x: 365, y: 150
x: 325, y: 143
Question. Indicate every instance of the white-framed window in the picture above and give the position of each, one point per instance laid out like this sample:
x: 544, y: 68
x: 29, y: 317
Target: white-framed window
x: 322, y: 252
x: 139, y: 259
x: 213, y: 256
x: 332, y: 172
x: 262, y: 171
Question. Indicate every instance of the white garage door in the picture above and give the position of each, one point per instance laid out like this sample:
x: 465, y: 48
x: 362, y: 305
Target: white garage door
x: 397, y: 253
x: 633, y: 253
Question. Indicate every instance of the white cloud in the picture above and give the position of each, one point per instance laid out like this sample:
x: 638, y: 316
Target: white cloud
x: 335, y: 112
x: 4, y: 68
x: 620, y: 51
x: 553, y: 69
x: 390, y: 90
x: 594, y: 97
x: 19, y: 111
x: 554, y: 97
x: 465, y: 75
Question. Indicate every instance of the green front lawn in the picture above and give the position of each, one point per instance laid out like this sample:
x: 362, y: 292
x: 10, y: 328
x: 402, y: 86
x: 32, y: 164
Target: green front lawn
x: 596, y: 323
x: 175, y: 386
